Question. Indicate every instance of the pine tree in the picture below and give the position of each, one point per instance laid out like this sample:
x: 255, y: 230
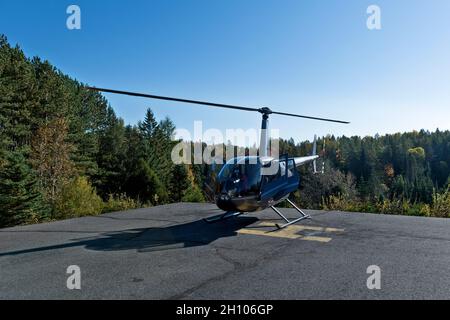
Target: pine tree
x: 111, y: 160
x: 179, y: 183
x: 149, y: 125
x: 17, y: 86
x: 20, y: 200
x: 144, y: 184
x: 158, y: 144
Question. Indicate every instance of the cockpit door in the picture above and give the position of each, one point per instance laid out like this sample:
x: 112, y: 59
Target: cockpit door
x: 273, y: 184
x: 293, y: 178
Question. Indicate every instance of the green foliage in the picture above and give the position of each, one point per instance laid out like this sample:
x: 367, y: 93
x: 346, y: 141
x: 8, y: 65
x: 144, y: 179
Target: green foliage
x: 51, y: 158
x: 78, y: 198
x: 396, y: 173
x: 20, y: 200
x: 145, y: 185
x: 336, y: 203
x: 395, y: 206
x: 179, y: 183
x: 399, y: 206
x: 417, y: 152
x: 119, y: 203
x: 56, y: 138
x: 73, y: 132
x: 193, y: 194
x: 315, y: 187
x: 111, y: 160
x: 441, y: 204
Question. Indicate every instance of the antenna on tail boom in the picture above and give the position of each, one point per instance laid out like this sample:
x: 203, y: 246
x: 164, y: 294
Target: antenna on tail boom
x: 323, y: 159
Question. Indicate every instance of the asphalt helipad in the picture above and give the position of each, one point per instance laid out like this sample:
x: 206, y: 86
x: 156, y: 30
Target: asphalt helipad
x: 169, y: 252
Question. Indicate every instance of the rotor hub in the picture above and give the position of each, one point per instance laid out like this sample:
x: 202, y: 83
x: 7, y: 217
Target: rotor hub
x: 265, y: 111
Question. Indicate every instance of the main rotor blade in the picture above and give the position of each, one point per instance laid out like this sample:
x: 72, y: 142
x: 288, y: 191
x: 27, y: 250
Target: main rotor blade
x: 211, y: 104
x: 308, y: 117
x: 151, y: 96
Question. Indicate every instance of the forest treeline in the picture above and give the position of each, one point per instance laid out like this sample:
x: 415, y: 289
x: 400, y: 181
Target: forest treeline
x: 65, y: 153
x: 402, y: 173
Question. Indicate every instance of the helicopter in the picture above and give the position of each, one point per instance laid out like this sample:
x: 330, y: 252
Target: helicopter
x: 252, y: 183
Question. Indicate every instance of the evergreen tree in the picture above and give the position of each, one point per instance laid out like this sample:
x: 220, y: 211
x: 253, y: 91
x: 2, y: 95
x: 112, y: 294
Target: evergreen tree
x: 17, y: 86
x: 149, y: 125
x: 20, y: 199
x: 111, y: 159
x: 144, y: 185
x: 179, y: 183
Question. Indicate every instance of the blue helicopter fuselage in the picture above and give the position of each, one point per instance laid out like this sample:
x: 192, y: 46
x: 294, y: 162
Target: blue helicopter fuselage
x: 248, y: 184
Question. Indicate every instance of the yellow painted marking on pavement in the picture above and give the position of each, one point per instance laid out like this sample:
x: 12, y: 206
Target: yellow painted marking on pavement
x: 314, y: 238
x: 290, y: 232
x: 304, y: 227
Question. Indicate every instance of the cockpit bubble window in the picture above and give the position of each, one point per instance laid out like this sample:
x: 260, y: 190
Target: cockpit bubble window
x: 240, y: 177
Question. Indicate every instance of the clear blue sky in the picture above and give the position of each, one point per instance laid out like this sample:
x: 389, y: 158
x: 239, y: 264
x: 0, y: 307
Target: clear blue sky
x: 311, y: 57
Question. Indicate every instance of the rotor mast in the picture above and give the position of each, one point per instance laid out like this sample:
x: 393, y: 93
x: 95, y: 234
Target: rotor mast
x: 264, y: 143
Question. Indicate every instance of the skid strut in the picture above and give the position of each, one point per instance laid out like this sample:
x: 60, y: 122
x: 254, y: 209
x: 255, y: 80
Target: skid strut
x: 290, y: 222
x: 226, y: 215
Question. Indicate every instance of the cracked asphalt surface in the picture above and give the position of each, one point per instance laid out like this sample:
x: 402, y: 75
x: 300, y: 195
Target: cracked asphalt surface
x: 169, y: 252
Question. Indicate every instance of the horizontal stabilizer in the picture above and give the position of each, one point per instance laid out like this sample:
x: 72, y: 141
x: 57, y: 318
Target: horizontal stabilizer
x: 299, y: 161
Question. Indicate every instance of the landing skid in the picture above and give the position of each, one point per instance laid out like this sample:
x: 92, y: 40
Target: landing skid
x: 225, y: 216
x: 290, y: 222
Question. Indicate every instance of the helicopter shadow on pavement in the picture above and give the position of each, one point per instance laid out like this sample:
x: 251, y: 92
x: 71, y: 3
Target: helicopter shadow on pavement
x: 186, y: 235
